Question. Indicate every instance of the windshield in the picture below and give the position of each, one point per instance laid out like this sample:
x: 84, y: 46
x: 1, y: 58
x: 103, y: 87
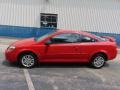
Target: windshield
x: 37, y: 39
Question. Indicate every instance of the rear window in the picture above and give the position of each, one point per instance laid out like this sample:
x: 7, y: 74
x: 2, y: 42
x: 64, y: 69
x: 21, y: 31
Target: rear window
x: 99, y: 37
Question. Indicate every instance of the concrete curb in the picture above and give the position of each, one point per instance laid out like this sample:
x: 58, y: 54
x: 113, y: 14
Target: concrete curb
x: 7, y: 41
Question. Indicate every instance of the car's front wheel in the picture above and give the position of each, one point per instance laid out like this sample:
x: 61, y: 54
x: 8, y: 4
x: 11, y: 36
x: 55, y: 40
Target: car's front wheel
x: 27, y: 60
x: 98, y: 61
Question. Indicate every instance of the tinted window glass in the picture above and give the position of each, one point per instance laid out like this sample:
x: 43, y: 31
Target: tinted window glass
x: 87, y: 39
x: 66, y: 38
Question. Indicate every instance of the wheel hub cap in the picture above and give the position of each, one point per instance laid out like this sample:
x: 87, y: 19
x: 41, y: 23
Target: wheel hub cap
x: 99, y: 61
x: 28, y: 60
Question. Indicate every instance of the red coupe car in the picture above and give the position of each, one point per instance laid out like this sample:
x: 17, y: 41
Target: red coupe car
x: 63, y: 46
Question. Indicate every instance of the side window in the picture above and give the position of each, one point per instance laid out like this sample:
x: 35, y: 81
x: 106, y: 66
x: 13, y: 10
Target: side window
x: 87, y: 39
x: 65, y: 38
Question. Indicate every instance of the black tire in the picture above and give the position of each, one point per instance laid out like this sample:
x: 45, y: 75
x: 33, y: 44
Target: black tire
x: 27, y: 60
x: 98, y: 61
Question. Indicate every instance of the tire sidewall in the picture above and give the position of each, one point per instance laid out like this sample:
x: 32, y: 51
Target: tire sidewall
x: 21, y: 56
x: 93, y: 60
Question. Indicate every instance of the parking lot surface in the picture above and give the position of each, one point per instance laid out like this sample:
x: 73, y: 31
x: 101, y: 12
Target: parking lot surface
x: 59, y: 76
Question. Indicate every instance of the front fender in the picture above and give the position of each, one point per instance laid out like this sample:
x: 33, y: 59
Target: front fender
x: 27, y: 50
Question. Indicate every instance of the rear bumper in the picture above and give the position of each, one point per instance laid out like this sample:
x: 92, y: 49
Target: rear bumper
x: 113, y: 55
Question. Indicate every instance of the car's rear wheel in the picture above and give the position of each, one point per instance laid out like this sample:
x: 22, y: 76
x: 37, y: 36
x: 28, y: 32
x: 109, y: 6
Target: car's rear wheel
x: 27, y: 60
x: 98, y: 61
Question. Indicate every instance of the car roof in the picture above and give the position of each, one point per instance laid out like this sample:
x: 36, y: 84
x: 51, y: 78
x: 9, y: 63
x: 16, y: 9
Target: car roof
x: 74, y: 31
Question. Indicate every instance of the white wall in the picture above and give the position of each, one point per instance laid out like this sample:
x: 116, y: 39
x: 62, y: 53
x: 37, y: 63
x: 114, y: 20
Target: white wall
x: 20, y: 12
x: 88, y: 15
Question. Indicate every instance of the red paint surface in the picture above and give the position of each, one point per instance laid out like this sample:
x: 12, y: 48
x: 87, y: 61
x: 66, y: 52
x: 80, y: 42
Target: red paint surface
x: 65, y: 52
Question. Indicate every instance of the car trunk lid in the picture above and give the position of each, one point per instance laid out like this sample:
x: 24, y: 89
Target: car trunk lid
x: 111, y: 39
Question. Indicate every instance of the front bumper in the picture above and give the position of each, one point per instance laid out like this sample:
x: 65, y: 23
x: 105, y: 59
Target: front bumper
x: 11, y: 56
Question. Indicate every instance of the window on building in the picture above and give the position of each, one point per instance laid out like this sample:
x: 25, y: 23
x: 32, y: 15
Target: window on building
x: 48, y: 20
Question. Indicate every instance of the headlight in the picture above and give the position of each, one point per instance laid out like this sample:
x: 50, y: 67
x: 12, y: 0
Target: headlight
x: 11, y: 48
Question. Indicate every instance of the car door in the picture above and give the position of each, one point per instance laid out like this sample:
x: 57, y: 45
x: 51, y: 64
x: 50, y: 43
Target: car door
x: 86, y: 47
x: 62, y: 48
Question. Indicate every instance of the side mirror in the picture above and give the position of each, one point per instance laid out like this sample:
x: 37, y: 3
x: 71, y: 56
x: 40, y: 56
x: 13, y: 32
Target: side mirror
x: 48, y: 42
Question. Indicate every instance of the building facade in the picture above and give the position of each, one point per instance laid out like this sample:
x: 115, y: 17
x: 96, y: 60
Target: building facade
x: 22, y: 18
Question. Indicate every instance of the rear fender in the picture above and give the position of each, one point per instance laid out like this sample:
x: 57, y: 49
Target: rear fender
x: 99, y: 52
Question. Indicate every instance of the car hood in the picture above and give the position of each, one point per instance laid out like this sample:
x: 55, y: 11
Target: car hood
x: 24, y: 42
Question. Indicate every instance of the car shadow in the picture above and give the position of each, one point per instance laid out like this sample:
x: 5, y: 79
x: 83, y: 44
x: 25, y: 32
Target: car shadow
x: 67, y: 65
x: 62, y: 65
x: 8, y: 64
x: 106, y: 65
x: 52, y: 65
